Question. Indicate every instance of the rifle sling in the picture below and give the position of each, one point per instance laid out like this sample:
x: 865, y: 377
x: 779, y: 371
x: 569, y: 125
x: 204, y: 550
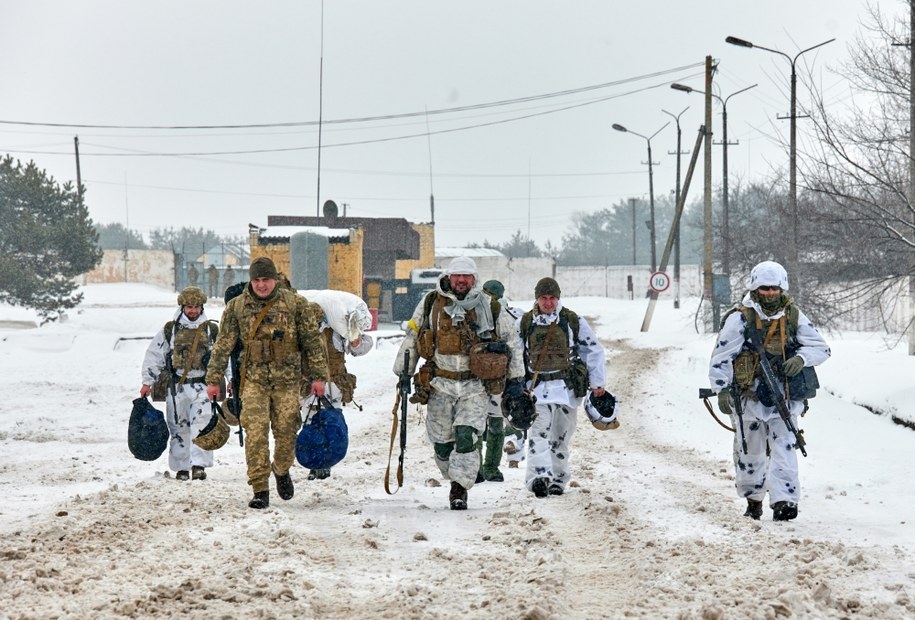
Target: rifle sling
x: 387, y: 471
x: 187, y: 364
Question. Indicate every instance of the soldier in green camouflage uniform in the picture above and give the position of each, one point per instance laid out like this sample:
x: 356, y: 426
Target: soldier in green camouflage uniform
x: 271, y: 373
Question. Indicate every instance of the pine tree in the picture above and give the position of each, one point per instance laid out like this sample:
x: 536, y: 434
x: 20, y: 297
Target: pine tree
x: 46, y: 240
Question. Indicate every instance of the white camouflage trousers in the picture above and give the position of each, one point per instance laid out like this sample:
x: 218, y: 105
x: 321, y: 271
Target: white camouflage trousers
x: 452, y: 404
x: 754, y: 472
x: 193, y: 414
x: 549, y: 441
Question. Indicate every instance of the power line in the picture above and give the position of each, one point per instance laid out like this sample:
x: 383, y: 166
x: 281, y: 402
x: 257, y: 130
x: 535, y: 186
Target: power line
x: 365, y: 119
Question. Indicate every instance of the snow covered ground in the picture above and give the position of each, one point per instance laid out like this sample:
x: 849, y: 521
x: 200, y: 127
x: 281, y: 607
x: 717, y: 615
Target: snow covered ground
x: 650, y: 528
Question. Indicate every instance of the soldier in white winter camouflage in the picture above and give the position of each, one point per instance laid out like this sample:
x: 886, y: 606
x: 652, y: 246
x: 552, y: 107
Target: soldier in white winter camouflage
x: 453, y: 328
x: 182, y: 348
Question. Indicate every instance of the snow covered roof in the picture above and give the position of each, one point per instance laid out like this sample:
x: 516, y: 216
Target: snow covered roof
x: 288, y: 231
x: 449, y: 252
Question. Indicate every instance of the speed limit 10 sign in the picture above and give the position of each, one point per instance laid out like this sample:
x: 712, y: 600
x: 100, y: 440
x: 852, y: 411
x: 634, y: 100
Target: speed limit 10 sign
x: 659, y: 281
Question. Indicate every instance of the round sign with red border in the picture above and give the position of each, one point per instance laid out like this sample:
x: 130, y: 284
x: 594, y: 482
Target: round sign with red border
x: 659, y: 281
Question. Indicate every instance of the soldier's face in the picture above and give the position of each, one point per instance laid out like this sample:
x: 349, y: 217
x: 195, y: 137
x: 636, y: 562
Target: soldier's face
x: 461, y: 283
x: 192, y: 312
x: 547, y: 303
x: 263, y: 286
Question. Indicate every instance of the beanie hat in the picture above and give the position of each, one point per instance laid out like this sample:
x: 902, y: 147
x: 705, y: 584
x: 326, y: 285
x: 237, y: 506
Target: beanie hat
x: 494, y: 288
x: 547, y: 286
x: 262, y: 267
x: 461, y: 265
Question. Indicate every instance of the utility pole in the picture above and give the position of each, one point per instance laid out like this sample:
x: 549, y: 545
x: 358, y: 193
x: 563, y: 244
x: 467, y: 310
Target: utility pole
x: 79, y: 176
x: 678, y: 153
x: 632, y: 202
x: 912, y: 161
x: 707, y: 201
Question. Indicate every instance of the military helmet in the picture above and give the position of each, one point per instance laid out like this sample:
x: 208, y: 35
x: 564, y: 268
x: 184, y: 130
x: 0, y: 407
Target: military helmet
x: 768, y: 273
x: 191, y: 296
x: 519, y: 410
x: 229, y: 413
x: 216, y: 433
x: 602, y: 410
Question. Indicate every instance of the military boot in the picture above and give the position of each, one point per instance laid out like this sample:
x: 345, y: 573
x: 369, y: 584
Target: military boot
x: 754, y: 509
x: 260, y: 500
x: 457, y: 498
x: 490, y: 468
x: 284, y: 486
x: 784, y: 511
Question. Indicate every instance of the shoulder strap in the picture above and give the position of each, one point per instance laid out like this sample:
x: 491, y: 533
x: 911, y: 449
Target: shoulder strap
x: 169, y: 328
x: 427, y: 307
x: 527, y: 320
x: 257, y: 321
x: 571, y: 320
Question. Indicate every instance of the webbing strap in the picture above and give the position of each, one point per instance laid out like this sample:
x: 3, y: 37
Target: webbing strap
x: 387, y: 471
x: 257, y: 321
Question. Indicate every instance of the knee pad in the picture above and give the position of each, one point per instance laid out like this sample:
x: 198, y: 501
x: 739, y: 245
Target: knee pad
x: 443, y: 450
x: 464, y: 439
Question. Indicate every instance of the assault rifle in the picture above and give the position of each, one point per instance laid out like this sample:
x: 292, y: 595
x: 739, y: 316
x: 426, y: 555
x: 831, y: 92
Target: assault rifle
x: 768, y: 377
x: 403, y: 401
x: 404, y: 387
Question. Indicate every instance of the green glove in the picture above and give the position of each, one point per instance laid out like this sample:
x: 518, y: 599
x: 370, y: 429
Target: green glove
x: 725, y: 402
x: 793, y: 366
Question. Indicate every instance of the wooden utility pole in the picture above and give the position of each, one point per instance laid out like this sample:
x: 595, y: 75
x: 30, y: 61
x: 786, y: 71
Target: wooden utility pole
x: 79, y: 177
x: 912, y: 165
x: 707, y: 202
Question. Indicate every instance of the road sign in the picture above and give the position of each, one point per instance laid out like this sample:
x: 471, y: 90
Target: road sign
x: 659, y: 281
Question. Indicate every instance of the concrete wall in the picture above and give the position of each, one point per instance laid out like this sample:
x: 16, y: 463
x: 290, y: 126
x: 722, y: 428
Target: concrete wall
x: 147, y: 266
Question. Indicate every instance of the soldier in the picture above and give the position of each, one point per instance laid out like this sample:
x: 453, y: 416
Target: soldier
x: 192, y: 275
x: 445, y: 329
x: 213, y: 279
x: 341, y: 383
x: 181, y: 348
x: 564, y: 361
x: 768, y: 459
x: 276, y: 329
x: 228, y: 278
x: 495, y: 423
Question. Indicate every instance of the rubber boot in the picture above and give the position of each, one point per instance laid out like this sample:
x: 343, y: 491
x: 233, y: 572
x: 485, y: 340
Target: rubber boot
x: 494, y: 436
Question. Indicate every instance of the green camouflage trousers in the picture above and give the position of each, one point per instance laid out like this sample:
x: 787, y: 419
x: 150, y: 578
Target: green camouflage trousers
x: 269, y: 408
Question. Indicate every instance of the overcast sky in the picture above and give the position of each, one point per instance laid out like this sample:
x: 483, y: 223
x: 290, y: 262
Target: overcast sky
x: 127, y: 70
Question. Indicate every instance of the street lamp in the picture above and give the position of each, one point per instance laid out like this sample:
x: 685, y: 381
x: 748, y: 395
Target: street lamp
x: 792, y: 155
x: 679, y: 152
x: 654, y: 262
x: 726, y: 262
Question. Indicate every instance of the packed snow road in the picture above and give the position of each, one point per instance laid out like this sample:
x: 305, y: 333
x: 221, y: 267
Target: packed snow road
x: 650, y: 528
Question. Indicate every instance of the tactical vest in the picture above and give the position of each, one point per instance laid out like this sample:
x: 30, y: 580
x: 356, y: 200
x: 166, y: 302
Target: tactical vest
x: 534, y: 337
x: 276, y: 340
x: 779, y: 338
x: 183, y: 352
x: 439, y: 333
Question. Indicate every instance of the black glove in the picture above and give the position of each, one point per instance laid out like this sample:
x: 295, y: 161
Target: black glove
x: 514, y: 388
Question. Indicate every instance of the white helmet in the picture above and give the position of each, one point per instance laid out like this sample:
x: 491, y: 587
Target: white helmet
x: 602, y: 411
x: 768, y: 273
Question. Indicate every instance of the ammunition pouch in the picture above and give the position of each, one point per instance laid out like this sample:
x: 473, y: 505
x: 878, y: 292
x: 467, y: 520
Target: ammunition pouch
x: 160, y: 387
x: 347, y: 384
x: 422, y: 384
x: 577, y: 378
x: 489, y: 360
x: 425, y: 343
x: 745, y: 366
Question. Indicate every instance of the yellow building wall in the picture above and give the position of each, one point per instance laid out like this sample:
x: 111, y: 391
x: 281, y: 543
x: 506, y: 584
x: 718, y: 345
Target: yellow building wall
x: 344, y: 263
x: 344, y: 260
x: 402, y: 268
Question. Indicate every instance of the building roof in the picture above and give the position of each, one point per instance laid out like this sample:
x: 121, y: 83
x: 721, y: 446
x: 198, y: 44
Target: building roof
x: 472, y: 252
